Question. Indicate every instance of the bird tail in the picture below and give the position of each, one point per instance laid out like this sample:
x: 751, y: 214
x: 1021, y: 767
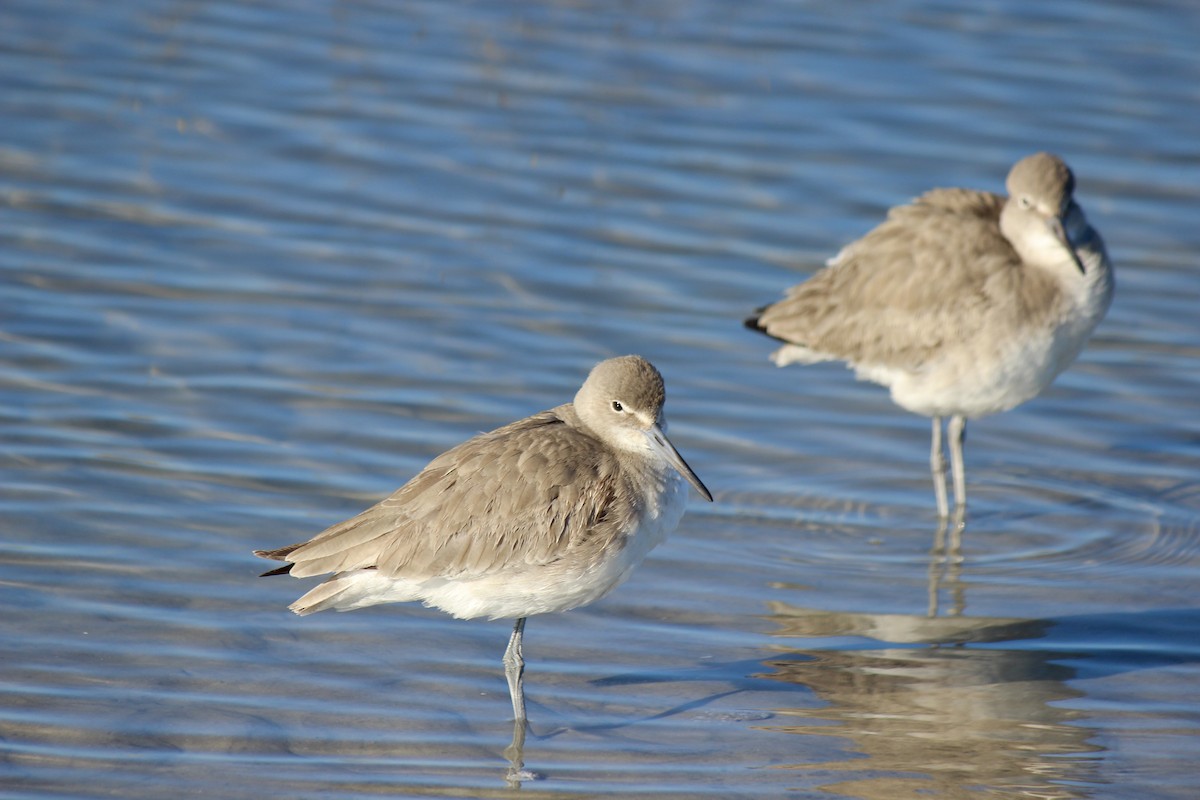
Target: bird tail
x: 356, y: 588
x: 753, y: 322
x: 322, y: 597
x: 278, y: 554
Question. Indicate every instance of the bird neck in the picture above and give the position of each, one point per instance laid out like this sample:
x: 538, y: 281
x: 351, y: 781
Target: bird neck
x: 1032, y: 236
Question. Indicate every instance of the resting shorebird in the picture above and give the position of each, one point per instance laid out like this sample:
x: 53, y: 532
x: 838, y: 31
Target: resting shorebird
x: 545, y: 514
x: 963, y: 303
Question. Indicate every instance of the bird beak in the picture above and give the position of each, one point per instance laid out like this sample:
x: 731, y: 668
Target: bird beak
x: 1060, y: 232
x: 660, y: 443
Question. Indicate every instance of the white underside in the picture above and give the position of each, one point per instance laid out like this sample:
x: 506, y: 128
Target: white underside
x: 988, y: 374
x: 513, y: 593
x: 961, y: 384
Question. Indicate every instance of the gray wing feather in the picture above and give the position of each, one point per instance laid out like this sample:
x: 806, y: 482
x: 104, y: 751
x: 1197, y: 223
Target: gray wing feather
x: 520, y: 495
x: 886, y: 298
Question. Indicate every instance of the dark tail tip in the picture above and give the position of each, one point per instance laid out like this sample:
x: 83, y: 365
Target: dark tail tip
x: 754, y: 323
x: 279, y: 554
x: 284, y: 570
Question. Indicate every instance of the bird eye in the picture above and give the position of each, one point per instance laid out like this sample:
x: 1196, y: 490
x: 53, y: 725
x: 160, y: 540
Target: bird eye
x: 1025, y: 202
x: 617, y: 406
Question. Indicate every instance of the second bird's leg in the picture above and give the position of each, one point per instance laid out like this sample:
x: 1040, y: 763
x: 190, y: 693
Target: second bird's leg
x: 937, y: 465
x: 956, y: 432
x: 514, y: 670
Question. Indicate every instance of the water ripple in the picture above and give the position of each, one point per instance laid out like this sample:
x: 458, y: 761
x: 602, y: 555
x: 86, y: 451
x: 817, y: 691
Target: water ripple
x: 260, y: 263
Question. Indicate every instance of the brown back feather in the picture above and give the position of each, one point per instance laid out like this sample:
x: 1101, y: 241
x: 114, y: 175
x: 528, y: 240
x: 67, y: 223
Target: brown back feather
x: 523, y: 494
x: 919, y: 278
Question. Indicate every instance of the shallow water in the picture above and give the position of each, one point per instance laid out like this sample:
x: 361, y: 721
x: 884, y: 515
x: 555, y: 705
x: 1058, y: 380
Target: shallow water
x: 260, y: 263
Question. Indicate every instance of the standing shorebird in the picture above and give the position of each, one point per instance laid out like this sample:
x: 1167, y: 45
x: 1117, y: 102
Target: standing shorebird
x: 544, y: 514
x: 963, y: 303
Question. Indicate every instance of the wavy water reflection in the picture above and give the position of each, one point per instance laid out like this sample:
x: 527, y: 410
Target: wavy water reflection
x: 943, y: 722
x: 962, y: 706
x: 260, y: 262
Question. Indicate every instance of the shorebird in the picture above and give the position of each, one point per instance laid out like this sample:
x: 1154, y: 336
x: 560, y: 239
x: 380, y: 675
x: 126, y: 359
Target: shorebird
x: 964, y: 303
x: 545, y: 514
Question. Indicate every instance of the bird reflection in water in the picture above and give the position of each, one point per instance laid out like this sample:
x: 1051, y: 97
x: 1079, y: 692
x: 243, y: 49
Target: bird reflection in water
x: 959, y: 717
x: 515, y: 753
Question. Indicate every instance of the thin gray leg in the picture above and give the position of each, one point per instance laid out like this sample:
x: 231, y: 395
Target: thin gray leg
x: 937, y: 465
x: 956, y: 431
x: 514, y: 670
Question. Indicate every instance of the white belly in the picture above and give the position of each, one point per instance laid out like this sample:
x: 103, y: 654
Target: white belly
x: 566, y: 584
x: 1000, y: 368
x: 536, y: 589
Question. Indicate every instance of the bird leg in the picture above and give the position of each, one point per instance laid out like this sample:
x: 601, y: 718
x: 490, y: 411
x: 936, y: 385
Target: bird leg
x: 937, y: 465
x: 514, y: 670
x: 957, y: 432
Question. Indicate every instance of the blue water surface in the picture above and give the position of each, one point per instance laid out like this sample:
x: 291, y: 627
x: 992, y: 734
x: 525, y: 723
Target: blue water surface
x: 260, y: 262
